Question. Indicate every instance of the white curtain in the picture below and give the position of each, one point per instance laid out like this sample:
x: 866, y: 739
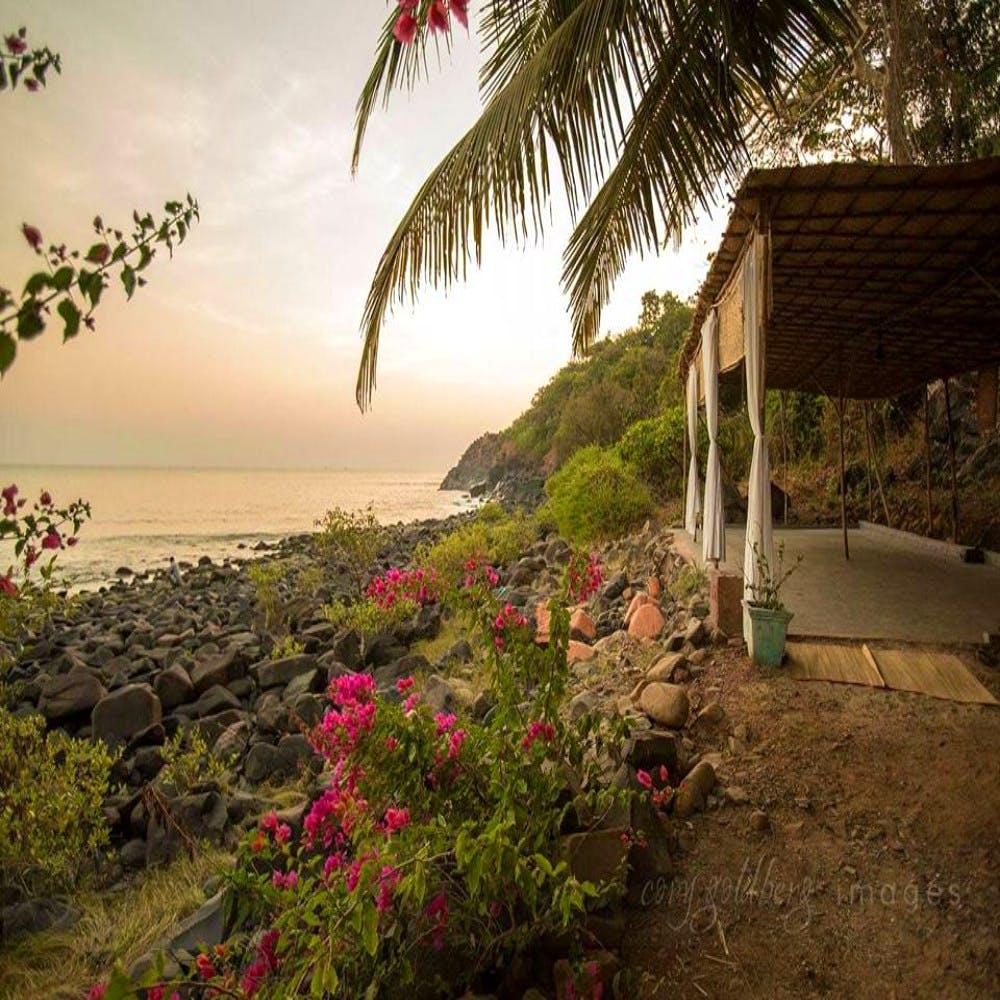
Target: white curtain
x: 759, y: 528
x: 692, y: 503
x: 713, y: 544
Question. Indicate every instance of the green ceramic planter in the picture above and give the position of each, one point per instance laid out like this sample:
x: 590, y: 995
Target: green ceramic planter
x: 768, y: 630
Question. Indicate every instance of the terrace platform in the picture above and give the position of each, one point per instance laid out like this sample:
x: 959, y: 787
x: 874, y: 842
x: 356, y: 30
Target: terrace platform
x: 891, y: 588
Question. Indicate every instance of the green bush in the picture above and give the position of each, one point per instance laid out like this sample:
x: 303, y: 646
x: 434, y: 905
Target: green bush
x: 352, y: 538
x: 367, y: 617
x: 493, y: 536
x: 189, y: 761
x: 52, y: 788
x: 595, y: 496
x: 654, y: 448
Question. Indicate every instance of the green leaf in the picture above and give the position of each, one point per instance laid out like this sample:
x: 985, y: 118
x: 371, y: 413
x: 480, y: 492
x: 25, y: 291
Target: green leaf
x: 8, y: 348
x: 128, y: 280
x: 71, y: 318
x: 36, y: 283
x: 145, y: 256
x: 63, y: 278
x: 369, y: 930
x: 98, y: 253
x: 29, y: 320
x: 119, y: 252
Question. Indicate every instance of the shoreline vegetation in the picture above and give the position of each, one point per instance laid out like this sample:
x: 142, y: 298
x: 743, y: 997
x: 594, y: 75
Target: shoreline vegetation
x: 210, y: 697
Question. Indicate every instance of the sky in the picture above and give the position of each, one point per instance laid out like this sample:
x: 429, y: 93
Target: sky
x: 243, y: 350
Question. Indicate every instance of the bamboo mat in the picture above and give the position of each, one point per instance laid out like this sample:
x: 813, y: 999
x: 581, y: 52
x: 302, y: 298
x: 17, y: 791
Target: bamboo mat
x: 829, y: 661
x: 910, y: 668
x: 941, y: 675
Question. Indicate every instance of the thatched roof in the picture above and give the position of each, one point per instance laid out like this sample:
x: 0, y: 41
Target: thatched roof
x: 883, y: 278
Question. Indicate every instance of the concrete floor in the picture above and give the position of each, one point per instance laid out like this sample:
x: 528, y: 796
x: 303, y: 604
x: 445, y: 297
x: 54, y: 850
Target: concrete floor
x: 888, y: 590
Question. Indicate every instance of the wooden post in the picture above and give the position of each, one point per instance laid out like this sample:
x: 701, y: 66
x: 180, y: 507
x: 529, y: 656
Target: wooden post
x: 843, y: 476
x: 951, y: 458
x: 868, y: 465
x: 927, y: 459
x: 784, y: 457
x: 870, y: 436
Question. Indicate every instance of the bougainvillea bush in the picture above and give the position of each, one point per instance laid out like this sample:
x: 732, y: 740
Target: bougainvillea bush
x: 34, y: 533
x: 435, y: 852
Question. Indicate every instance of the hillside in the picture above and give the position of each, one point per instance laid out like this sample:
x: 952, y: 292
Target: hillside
x: 613, y: 426
x: 624, y: 379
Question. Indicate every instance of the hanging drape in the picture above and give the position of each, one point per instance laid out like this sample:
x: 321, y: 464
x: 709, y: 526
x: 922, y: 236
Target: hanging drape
x: 692, y: 502
x: 713, y: 545
x: 759, y: 542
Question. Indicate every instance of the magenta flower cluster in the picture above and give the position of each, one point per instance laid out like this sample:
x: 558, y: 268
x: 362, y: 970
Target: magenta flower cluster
x: 418, y: 585
x: 437, y: 18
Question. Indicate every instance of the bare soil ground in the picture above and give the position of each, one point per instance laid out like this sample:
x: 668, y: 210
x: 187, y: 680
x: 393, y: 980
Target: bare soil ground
x: 878, y: 873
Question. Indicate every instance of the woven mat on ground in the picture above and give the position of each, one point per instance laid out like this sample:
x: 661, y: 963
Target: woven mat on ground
x: 904, y: 668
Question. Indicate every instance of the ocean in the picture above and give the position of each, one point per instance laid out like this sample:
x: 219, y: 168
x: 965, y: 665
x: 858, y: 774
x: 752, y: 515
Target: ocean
x: 143, y: 516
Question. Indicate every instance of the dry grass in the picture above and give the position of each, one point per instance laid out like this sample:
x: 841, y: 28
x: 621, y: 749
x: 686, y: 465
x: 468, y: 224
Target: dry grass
x: 118, y: 926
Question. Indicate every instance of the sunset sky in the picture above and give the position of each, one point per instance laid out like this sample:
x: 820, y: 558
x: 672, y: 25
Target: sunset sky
x: 243, y: 350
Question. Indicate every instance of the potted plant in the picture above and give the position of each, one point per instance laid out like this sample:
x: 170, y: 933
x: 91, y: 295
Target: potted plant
x: 768, y: 615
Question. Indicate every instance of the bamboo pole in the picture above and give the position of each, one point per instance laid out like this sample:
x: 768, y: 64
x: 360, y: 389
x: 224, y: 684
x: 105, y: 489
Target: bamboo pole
x: 784, y: 457
x: 927, y: 459
x: 870, y: 435
x: 951, y: 458
x: 843, y: 476
x: 868, y: 465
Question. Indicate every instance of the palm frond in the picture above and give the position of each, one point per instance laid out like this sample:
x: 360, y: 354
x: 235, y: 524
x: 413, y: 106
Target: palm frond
x: 686, y: 68
x: 499, y: 173
x: 687, y: 137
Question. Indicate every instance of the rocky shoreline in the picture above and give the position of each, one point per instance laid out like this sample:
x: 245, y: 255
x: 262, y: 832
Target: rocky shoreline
x: 144, y: 660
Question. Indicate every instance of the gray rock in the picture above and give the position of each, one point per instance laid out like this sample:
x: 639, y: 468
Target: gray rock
x: 70, y: 694
x: 125, y: 712
x: 651, y: 750
x: 173, y: 687
x: 216, y: 699
x: 303, y: 684
x: 206, y: 927
x: 221, y: 669
x: 34, y: 915
x: 582, y: 704
x: 692, y: 795
x: 265, y: 762
x: 666, y: 704
x: 133, y: 853
x: 439, y: 695
x: 276, y: 673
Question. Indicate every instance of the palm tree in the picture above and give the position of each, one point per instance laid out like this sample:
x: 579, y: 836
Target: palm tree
x: 644, y: 108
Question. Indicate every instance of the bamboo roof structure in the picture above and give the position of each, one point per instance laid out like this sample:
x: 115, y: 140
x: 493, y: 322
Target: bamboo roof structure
x: 878, y: 279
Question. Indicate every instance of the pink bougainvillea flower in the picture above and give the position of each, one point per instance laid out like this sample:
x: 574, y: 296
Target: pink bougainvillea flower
x: 30, y: 555
x: 72, y: 540
x: 52, y: 541
x: 444, y: 720
x: 405, y: 29
x: 396, y: 819
x: 46, y: 499
x: 205, y: 967
x: 98, y: 989
x: 460, y: 8
x: 437, y: 16
x: 404, y: 684
x: 391, y: 744
x: 32, y: 234
x: 31, y: 85
x: 437, y: 911
x: 458, y: 737
x: 7, y: 586
x: 643, y: 778
x: 17, y: 46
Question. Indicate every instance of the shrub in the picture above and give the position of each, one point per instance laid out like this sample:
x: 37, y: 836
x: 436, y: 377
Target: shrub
x: 189, y: 761
x: 654, y: 449
x: 595, y: 496
x: 351, y: 537
x: 278, y: 584
x: 367, y: 617
x: 52, y: 788
x: 689, y: 582
x: 435, y: 852
x: 493, y: 536
x: 288, y: 646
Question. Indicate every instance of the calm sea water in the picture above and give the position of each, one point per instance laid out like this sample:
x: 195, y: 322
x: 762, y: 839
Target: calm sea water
x: 143, y: 516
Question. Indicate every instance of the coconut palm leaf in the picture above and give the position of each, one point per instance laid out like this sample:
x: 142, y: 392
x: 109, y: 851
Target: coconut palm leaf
x: 556, y: 76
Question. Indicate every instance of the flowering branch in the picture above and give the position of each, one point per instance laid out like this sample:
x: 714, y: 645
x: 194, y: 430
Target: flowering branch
x: 16, y: 62
x: 432, y: 15
x: 78, y: 289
